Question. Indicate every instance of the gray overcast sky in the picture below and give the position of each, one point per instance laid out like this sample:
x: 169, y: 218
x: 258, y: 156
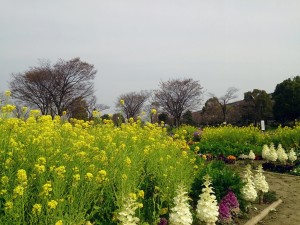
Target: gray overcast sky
x: 136, y: 43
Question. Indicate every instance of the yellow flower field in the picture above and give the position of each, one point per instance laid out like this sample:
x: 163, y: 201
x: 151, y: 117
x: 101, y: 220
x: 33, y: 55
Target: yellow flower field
x: 58, y: 172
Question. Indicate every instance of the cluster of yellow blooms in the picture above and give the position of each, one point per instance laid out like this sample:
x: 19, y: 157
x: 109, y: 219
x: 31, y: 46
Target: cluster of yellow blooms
x: 37, y: 209
x: 48, y: 163
x: 46, y: 189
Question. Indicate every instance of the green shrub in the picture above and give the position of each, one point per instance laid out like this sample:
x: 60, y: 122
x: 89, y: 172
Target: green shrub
x: 223, y: 179
x: 270, y: 197
x: 230, y: 140
x: 289, y: 137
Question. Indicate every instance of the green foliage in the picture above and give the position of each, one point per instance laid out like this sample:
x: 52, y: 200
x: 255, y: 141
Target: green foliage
x: 118, y: 119
x: 287, y: 100
x: 270, y: 197
x: 296, y: 170
x: 223, y: 179
x: 289, y: 137
x: 163, y: 117
x: 187, y: 118
x: 258, y: 105
x: 227, y: 148
x: 211, y: 112
x: 230, y: 140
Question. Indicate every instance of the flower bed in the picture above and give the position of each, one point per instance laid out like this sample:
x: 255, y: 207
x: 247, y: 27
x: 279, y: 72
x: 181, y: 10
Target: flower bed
x: 230, y: 140
x: 55, y: 171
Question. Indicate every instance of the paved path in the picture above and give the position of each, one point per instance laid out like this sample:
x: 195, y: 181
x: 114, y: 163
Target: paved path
x: 287, y: 187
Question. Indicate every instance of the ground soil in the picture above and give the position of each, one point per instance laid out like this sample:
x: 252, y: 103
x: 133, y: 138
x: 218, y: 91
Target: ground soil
x: 287, y: 188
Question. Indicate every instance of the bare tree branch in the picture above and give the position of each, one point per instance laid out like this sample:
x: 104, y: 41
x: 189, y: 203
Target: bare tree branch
x: 224, y: 100
x: 132, y: 103
x: 176, y: 96
x: 54, y: 89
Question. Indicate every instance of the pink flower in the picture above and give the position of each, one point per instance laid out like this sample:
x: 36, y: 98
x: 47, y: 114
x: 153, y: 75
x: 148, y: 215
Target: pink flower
x: 231, y: 201
x: 224, y: 212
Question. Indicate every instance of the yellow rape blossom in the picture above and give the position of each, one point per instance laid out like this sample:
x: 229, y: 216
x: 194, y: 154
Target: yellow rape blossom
x: 76, y: 177
x: 102, y: 172
x: 3, y: 192
x: 7, y: 93
x: 39, y: 168
x: 127, y: 161
x: 96, y: 114
x: 89, y: 176
x: 60, y: 171
x: 18, y: 191
x: 59, y: 222
x: 196, y: 150
x: 8, y: 108
x: 133, y: 196
x: 153, y: 111
x: 52, y: 204
x: 4, y: 180
x: 34, y: 113
x: 75, y: 169
x: 101, y: 176
x: 37, y: 209
x: 141, y: 193
x: 8, y: 205
x: 47, y: 188
x: 134, y: 138
x: 42, y: 160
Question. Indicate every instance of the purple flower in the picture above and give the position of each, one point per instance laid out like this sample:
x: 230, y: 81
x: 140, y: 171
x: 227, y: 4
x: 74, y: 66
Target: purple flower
x: 231, y: 201
x: 224, y: 211
x: 163, y: 221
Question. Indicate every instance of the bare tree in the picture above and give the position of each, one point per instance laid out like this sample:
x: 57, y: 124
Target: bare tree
x: 31, y: 87
x: 176, y: 96
x: 93, y: 106
x: 132, y: 103
x: 224, y: 100
x: 54, y: 89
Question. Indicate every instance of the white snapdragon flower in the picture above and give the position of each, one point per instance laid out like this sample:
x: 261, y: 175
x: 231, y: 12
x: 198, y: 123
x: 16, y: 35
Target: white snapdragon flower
x: 251, y: 155
x: 292, y: 155
x: 180, y: 213
x: 127, y: 214
x: 282, y: 156
x: 248, y: 191
x: 207, y: 207
x: 260, y: 180
x: 265, y: 152
x: 243, y: 156
x: 272, y: 153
